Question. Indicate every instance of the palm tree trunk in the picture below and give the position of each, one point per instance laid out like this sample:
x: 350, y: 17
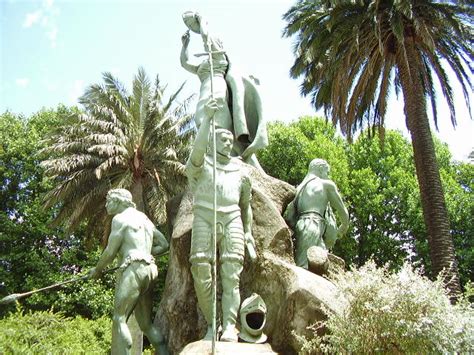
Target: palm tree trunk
x: 137, y: 195
x: 433, y: 203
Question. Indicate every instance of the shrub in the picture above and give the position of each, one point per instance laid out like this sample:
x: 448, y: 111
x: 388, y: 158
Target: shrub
x: 394, y: 313
x: 52, y: 333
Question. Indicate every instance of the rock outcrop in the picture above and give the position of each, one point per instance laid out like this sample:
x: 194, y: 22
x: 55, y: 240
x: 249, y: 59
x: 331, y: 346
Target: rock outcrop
x: 294, y: 296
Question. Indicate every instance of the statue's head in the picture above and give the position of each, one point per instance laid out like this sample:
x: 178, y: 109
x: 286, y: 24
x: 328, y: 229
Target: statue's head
x: 224, y: 142
x: 319, y: 167
x: 191, y: 21
x: 117, y: 200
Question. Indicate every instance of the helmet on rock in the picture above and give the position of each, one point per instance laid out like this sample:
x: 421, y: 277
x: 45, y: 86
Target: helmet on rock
x: 253, y: 313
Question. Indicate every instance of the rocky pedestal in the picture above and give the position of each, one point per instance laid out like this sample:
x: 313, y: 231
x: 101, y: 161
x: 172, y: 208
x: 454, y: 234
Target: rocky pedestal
x: 294, y: 296
x: 205, y: 347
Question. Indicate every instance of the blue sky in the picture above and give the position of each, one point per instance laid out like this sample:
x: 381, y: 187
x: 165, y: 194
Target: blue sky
x: 51, y: 50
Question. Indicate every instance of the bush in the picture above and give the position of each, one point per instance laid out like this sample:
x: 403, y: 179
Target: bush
x: 52, y: 333
x: 394, y: 313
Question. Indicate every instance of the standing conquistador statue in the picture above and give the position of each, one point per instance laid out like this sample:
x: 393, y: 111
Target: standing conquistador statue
x: 234, y: 221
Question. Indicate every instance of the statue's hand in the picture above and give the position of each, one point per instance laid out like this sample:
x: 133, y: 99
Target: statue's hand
x: 185, y: 38
x: 211, y: 107
x: 250, y: 244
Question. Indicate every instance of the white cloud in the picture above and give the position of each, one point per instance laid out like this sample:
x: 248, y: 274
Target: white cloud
x: 45, y: 18
x: 22, y: 82
x: 32, y: 18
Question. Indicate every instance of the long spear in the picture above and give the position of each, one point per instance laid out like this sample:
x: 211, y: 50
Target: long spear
x: 209, y: 53
x: 214, y: 214
x: 16, y: 296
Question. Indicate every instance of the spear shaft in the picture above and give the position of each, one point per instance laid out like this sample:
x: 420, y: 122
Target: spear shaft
x: 16, y: 296
x: 214, y: 215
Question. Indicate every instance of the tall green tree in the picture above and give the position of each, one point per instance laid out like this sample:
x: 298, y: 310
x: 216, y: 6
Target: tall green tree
x: 379, y: 187
x: 351, y: 52
x: 32, y: 253
x: 136, y: 141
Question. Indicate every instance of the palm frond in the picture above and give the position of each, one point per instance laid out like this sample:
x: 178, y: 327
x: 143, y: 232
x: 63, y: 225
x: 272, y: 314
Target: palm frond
x: 119, y: 140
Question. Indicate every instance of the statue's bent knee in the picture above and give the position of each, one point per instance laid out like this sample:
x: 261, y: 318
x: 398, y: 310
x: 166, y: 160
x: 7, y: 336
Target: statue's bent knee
x: 201, y: 271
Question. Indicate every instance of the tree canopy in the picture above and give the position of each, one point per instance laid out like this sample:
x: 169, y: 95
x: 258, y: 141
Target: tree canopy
x: 137, y: 141
x: 378, y: 184
x: 351, y: 53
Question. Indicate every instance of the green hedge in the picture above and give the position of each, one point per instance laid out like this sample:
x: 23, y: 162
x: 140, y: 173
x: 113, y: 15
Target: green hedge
x: 52, y: 333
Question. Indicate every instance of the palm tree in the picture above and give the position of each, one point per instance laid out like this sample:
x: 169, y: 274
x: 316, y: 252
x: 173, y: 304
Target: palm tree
x: 134, y: 141
x: 350, y: 52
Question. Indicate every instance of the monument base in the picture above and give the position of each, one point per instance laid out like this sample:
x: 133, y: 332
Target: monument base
x: 203, y: 347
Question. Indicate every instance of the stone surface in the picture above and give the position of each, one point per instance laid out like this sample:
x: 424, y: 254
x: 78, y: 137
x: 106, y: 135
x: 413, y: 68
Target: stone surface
x: 336, y: 264
x: 318, y: 260
x: 205, y: 347
x: 294, y: 296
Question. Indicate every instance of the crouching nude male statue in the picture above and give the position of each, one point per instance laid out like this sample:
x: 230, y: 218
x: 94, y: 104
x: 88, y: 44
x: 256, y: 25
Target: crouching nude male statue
x: 234, y: 220
x: 134, y: 240
x: 310, y: 212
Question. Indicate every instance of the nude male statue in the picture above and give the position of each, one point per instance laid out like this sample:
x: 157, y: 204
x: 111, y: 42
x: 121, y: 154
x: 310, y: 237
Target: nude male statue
x: 133, y: 240
x: 307, y: 212
x: 234, y: 221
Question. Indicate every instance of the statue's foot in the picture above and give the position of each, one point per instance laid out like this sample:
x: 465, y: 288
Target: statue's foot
x: 230, y: 335
x: 208, y: 335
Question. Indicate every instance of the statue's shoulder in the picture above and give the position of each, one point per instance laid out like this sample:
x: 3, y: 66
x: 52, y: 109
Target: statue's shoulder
x: 129, y: 215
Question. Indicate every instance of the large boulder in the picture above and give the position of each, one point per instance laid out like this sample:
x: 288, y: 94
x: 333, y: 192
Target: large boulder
x: 294, y: 297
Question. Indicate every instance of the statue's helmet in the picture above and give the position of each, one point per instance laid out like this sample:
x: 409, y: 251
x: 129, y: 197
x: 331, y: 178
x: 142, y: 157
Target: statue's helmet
x: 253, y: 314
x: 189, y: 18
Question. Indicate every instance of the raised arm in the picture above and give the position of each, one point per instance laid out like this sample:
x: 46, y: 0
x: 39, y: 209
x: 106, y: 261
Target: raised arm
x: 185, y: 56
x: 202, y: 138
x: 160, y: 244
x: 113, y: 246
x: 337, y: 204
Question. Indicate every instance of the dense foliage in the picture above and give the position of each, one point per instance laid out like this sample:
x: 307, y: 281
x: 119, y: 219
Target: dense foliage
x: 32, y: 253
x: 378, y: 183
x: 351, y: 54
x: 394, y: 313
x: 44, y: 332
x: 134, y: 140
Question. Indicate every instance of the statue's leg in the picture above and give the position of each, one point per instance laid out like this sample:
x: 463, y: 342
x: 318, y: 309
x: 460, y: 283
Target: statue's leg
x: 308, y: 231
x: 200, y: 259
x: 143, y: 311
x: 126, y: 297
x: 230, y: 275
x: 232, y: 249
x: 202, y: 276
